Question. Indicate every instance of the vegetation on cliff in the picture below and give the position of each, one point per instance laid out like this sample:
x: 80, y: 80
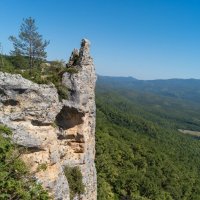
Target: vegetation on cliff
x: 75, y: 180
x: 15, y: 180
x: 45, y: 73
x: 29, y: 59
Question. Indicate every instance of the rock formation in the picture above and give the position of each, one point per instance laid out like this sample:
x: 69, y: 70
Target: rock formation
x: 56, y: 134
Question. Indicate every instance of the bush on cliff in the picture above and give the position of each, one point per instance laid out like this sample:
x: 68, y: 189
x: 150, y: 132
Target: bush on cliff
x: 74, y: 177
x: 46, y: 73
x: 15, y: 180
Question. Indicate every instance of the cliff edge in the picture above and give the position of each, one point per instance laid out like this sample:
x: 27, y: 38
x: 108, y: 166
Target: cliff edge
x: 56, y: 134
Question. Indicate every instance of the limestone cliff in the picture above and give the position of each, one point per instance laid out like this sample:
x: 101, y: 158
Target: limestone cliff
x: 56, y: 134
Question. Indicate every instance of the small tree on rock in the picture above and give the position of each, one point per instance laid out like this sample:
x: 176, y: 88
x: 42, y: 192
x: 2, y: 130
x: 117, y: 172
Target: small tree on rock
x: 29, y: 43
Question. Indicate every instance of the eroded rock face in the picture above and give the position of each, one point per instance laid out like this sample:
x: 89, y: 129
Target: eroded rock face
x: 30, y: 110
x: 82, y: 99
x: 55, y: 133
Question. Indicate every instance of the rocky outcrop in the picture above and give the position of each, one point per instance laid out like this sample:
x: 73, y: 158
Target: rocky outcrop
x: 56, y: 134
x: 82, y: 101
x: 30, y: 110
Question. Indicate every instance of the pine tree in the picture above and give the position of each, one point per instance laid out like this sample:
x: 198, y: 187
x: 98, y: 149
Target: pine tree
x: 29, y: 43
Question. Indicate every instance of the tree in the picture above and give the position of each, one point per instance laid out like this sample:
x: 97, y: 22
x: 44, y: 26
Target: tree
x: 29, y: 43
x: 1, y: 56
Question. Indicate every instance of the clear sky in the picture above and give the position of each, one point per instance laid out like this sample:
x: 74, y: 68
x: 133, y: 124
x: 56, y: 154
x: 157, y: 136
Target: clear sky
x: 146, y: 39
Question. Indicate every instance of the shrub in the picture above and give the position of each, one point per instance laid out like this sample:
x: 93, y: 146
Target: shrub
x: 15, y: 180
x: 74, y: 177
x: 18, y: 61
x: 72, y: 70
x: 42, y: 167
x: 43, y: 74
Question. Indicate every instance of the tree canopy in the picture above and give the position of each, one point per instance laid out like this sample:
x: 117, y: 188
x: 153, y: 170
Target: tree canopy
x: 29, y: 43
x: 140, y: 155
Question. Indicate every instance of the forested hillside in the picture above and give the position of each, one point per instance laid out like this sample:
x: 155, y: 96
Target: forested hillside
x: 188, y: 89
x: 140, y: 153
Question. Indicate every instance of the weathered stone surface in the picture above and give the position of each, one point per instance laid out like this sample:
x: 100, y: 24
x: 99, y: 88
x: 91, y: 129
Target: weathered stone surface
x: 30, y: 110
x: 82, y: 98
x: 56, y: 133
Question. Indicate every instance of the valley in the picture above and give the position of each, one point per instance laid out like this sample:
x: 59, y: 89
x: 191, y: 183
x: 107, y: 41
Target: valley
x: 140, y: 154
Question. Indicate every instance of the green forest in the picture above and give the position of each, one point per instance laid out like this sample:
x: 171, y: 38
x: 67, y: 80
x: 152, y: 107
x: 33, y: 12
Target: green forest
x: 140, y: 155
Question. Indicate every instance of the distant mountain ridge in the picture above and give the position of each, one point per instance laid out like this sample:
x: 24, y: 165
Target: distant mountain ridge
x: 188, y: 89
x: 133, y: 78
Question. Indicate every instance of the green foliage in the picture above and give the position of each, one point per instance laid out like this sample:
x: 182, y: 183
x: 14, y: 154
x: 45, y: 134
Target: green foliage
x: 139, y: 152
x: 72, y: 70
x: 42, y: 167
x: 74, y: 177
x: 44, y: 74
x: 15, y: 180
x: 5, y: 130
x: 29, y: 43
x: 20, y: 62
x: 6, y: 65
x: 53, y: 73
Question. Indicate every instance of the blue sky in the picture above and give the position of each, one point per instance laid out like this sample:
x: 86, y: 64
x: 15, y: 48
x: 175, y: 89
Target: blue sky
x: 146, y: 39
